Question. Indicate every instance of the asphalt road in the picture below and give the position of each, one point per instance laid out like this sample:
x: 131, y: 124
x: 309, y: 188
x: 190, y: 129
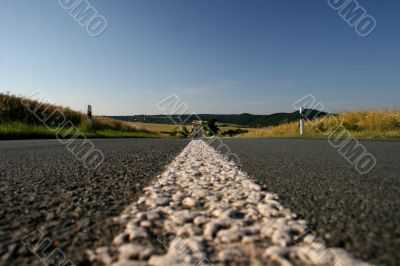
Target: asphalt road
x: 43, y: 187
x: 357, y: 212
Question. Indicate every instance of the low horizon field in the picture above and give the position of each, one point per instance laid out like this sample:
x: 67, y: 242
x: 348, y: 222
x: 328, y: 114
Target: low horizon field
x: 18, y: 122
x: 374, y: 123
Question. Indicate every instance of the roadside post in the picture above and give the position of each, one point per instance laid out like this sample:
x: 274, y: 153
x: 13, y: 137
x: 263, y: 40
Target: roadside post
x: 89, y: 114
x: 301, y: 121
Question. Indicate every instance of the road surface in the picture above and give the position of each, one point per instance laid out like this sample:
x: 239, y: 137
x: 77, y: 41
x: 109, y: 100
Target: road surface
x: 357, y: 212
x: 42, y: 186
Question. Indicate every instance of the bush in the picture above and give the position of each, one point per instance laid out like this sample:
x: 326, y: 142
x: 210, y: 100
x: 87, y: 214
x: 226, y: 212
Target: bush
x: 234, y: 132
x: 182, y: 132
x: 211, y: 128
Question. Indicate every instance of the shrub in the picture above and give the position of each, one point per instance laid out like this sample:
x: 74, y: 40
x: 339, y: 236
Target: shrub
x: 234, y: 132
x: 211, y: 128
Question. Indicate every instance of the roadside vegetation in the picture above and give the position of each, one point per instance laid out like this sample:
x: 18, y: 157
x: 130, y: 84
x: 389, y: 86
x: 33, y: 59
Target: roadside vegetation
x: 21, y: 118
x: 382, y: 123
x: 231, y: 132
x: 208, y: 128
x: 245, y: 119
x: 164, y: 130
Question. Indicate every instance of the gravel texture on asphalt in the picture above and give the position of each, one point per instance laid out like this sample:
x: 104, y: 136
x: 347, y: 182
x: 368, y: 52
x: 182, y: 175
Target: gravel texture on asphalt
x: 357, y: 212
x: 43, y: 187
x: 204, y: 211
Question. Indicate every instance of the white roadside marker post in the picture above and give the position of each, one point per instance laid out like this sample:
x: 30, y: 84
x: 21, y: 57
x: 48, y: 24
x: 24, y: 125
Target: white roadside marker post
x: 301, y: 121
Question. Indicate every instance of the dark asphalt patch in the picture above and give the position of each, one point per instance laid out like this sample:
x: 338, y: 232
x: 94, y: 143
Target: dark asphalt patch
x: 43, y: 187
x: 358, y: 213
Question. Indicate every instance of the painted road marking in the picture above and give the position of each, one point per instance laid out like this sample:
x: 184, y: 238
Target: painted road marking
x: 203, y: 210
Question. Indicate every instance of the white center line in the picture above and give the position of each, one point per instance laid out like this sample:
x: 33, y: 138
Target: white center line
x: 203, y: 210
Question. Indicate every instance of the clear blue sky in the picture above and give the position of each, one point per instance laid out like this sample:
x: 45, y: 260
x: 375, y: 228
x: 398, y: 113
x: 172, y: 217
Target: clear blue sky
x: 219, y: 56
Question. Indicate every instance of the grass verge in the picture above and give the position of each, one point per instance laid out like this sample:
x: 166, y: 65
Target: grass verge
x: 21, y: 118
x: 19, y: 130
x: 381, y: 123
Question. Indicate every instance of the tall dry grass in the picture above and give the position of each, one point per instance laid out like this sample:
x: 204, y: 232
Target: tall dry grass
x: 32, y: 112
x: 368, y: 123
x: 17, y: 109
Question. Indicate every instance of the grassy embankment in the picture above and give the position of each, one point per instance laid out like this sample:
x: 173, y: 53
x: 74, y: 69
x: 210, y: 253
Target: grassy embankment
x: 18, y: 122
x: 383, y: 123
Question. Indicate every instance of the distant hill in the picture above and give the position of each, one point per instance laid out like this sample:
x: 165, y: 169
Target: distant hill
x: 246, y: 120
